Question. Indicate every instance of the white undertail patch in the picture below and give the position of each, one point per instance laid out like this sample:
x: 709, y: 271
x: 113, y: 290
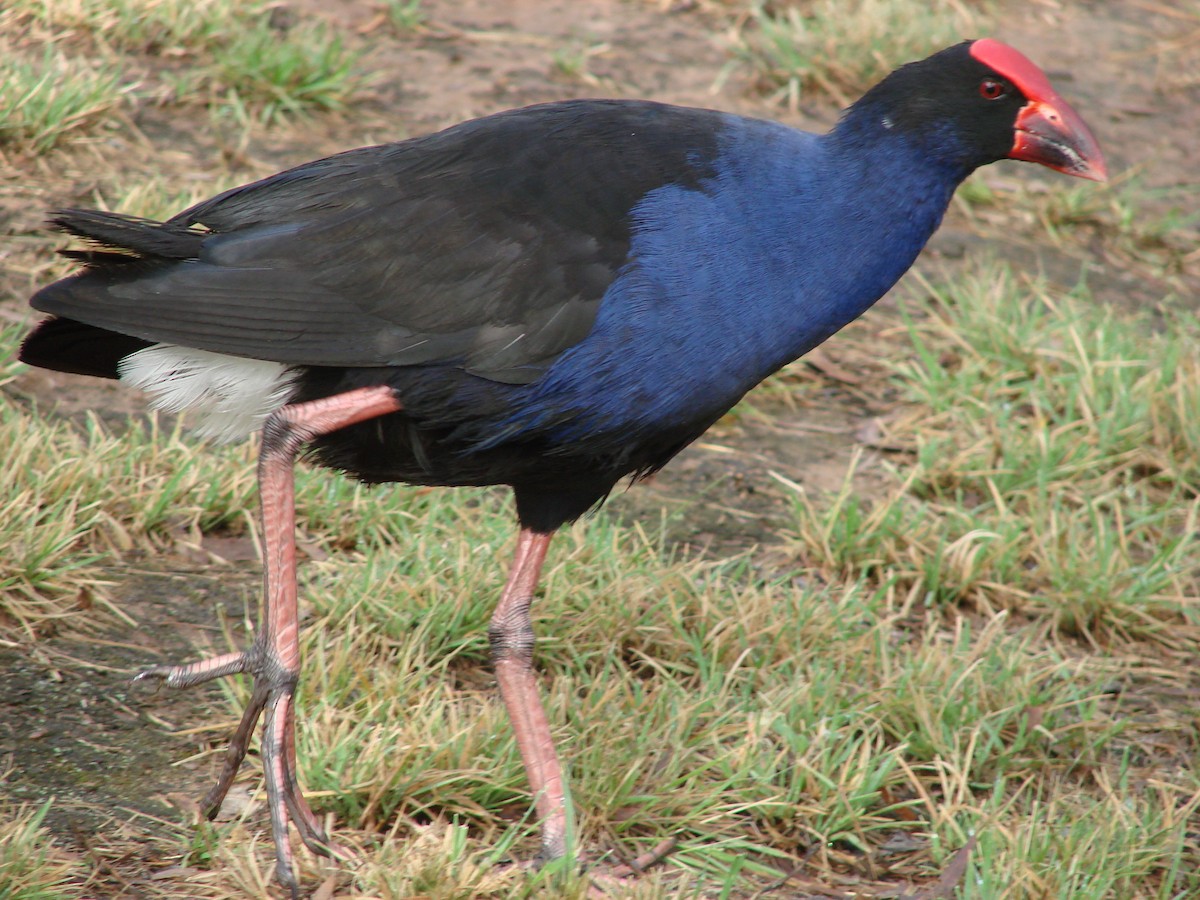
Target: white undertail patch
x: 232, y: 396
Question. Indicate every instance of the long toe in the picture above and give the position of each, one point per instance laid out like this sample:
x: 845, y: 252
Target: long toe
x: 284, y: 798
x: 198, y: 672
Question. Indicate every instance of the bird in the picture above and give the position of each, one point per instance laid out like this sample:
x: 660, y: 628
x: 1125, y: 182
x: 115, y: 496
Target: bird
x: 554, y: 298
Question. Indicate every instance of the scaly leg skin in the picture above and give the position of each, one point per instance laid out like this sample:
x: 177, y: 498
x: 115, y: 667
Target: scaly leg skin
x: 274, y: 658
x: 511, y: 637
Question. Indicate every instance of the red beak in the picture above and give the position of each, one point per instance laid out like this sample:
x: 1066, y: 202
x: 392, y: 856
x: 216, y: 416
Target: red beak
x: 1051, y: 133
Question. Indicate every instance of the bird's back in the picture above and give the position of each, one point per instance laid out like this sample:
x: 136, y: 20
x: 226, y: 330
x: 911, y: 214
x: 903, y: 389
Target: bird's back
x: 488, y: 245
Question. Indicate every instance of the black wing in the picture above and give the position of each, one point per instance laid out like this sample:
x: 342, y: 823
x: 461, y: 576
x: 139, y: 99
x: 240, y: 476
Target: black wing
x: 488, y: 245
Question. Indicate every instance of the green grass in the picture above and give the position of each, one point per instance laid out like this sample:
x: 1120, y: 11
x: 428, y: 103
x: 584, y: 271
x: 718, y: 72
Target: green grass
x: 574, y: 62
x: 406, y: 16
x: 156, y: 27
x: 45, y: 100
x: 64, y: 517
x: 30, y: 866
x: 842, y: 49
x: 1152, y: 231
x: 306, y: 69
x: 238, y: 57
x: 1056, y: 465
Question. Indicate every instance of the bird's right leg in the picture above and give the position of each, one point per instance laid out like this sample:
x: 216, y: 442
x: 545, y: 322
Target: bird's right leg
x: 274, y: 657
x: 511, y: 636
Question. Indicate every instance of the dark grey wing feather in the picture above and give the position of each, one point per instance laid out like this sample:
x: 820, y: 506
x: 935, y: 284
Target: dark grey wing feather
x: 488, y: 246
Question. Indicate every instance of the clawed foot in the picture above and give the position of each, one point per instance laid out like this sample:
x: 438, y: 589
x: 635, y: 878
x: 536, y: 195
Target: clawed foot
x: 273, y: 694
x: 646, y: 860
x: 604, y: 882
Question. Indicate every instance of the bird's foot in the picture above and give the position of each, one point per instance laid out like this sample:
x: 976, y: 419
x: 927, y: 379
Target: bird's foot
x: 605, y: 881
x: 273, y: 694
x: 650, y: 858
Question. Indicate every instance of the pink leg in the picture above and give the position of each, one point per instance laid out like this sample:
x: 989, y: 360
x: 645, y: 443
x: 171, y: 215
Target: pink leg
x: 511, y: 636
x: 274, y: 658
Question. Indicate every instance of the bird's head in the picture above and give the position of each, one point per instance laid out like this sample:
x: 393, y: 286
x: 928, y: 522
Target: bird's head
x: 981, y: 101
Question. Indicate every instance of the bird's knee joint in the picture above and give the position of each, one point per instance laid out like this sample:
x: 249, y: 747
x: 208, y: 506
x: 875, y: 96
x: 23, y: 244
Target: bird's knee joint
x: 511, y: 635
x: 281, y: 436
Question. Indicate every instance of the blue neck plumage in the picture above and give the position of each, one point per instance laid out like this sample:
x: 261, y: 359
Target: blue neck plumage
x: 796, y: 236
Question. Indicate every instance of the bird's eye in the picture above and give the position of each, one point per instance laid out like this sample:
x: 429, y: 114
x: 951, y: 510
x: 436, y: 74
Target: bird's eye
x: 990, y: 89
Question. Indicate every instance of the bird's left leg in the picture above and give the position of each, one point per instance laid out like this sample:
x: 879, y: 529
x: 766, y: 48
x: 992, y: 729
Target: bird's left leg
x: 274, y: 658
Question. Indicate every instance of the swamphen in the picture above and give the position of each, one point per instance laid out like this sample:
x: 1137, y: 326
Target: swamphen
x: 550, y: 298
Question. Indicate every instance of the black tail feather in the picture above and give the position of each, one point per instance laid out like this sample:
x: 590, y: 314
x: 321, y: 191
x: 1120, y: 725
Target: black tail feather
x: 65, y: 345
x: 131, y: 236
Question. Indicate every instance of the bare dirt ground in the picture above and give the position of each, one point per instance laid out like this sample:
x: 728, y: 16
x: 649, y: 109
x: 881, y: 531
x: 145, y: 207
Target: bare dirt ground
x: 72, y: 725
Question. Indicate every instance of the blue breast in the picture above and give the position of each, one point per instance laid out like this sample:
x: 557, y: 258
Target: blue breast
x: 796, y: 236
